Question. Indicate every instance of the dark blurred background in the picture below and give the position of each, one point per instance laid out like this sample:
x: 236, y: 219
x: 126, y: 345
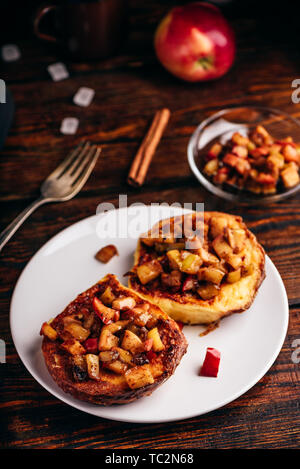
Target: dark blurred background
x: 278, y: 21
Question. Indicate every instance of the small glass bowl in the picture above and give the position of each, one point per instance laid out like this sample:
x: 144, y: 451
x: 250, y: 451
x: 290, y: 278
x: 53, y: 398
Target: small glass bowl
x: 219, y: 128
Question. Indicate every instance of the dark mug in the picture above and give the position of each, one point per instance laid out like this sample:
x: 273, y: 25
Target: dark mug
x: 86, y: 29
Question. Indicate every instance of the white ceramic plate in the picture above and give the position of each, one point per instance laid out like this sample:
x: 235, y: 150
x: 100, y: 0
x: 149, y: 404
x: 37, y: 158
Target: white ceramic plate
x: 65, y: 266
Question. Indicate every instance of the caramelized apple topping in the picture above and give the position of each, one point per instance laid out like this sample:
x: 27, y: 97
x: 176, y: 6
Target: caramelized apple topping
x: 139, y: 376
x: 220, y: 257
x: 105, y: 254
x: 48, y: 331
x: 99, y: 341
x: 255, y: 162
x: 149, y: 271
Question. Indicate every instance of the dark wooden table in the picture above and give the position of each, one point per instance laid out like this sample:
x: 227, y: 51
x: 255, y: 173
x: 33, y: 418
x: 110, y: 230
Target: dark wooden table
x: 129, y: 89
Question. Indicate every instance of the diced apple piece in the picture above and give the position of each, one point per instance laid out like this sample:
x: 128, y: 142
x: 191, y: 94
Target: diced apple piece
x: 250, y: 146
x: 214, y: 151
x: 211, y: 167
x: 290, y: 153
x: 88, y: 320
x: 221, y: 176
x: 124, y: 303
x: 237, y: 242
x: 264, y: 178
x: 173, y: 279
x: 233, y: 276
x: 157, y: 346
x: 276, y: 160
x: 73, y: 347
x: 191, y: 263
x: 131, y: 342
x: 148, y: 344
x: 275, y: 148
x: 230, y: 237
x: 290, y: 175
x: 106, y: 253
x: 263, y: 131
x: 107, y: 340
x: 221, y: 247
x: 240, y: 151
x: 106, y: 314
x: 117, y: 326
x: 231, y: 160
x: 242, y: 166
x: 139, y: 376
x: 189, y: 283
x: 207, y: 257
x: 141, y: 317
x: 124, y: 355
x: 260, y: 151
x: 217, y: 226
x: 174, y: 259
x: 239, y: 139
x: 93, y: 369
x: 211, y: 274
x: 108, y: 356
x: 234, y: 261
x: 107, y: 296
x: 208, y: 291
x: 261, y: 136
x: 48, y: 331
x: 117, y: 367
x: 77, y: 331
x: 194, y: 242
x: 149, y: 271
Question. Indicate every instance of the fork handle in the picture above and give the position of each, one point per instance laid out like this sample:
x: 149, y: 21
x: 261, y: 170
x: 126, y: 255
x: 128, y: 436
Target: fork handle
x: 17, y: 222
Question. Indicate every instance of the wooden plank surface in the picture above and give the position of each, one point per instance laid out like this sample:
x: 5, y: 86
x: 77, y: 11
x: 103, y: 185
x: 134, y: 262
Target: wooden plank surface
x: 129, y: 89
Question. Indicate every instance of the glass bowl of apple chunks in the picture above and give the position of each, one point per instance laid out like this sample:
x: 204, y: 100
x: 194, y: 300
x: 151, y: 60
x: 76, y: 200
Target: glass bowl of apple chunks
x: 247, y: 154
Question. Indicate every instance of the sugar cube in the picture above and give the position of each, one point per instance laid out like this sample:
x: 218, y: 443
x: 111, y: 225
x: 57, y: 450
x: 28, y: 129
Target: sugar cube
x: 10, y: 53
x: 58, y: 71
x: 69, y: 125
x: 84, y: 96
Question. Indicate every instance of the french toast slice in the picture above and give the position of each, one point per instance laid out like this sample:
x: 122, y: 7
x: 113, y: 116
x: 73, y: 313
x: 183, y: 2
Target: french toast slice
x: 199, y: 267
x: 110, y: 346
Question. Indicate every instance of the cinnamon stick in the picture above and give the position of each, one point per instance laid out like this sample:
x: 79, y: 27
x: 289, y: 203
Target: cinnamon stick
x: 142, y: 160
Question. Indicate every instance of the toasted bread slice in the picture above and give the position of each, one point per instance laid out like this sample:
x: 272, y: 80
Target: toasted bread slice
x: 110, y: 346
x: 220, y: 278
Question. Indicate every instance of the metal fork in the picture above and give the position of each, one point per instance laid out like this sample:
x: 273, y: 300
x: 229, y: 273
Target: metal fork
x: 63, y: 184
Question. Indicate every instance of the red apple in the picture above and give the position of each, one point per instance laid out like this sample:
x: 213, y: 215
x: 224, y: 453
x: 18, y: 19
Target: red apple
x: 195, y: 42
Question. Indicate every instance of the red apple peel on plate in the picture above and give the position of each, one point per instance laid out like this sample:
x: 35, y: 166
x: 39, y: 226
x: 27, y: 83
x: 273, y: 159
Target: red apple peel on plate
x: 211, y: 363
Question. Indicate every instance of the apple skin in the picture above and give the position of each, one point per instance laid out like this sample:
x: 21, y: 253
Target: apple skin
x: 195, y: 42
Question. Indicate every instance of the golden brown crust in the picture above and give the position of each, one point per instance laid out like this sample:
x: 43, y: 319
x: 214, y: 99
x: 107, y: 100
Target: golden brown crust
x: 233, y: 298
x: 112, y: 388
